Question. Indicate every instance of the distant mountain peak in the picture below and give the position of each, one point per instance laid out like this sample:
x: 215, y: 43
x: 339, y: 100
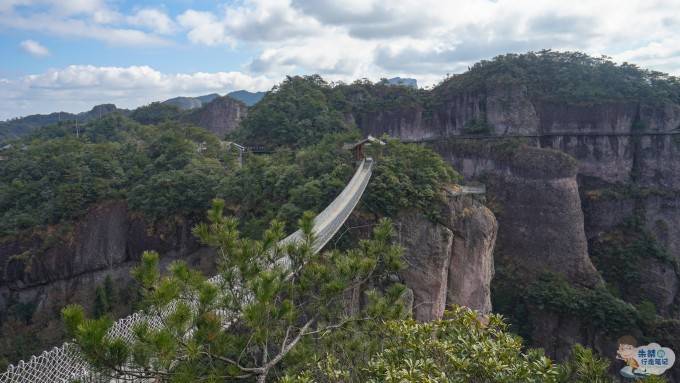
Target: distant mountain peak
x: 188, y: 103
x: 21, y: 126
x: 246, y: 97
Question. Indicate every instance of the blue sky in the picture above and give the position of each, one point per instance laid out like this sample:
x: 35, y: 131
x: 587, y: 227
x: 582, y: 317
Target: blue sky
x: 73, y: 54
x: 180, y: 55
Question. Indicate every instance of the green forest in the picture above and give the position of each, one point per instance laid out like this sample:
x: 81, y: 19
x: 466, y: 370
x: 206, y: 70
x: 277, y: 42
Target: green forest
x: 295, y: 328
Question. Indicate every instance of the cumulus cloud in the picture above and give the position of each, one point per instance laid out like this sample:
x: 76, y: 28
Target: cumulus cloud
x: 424, y: 39
x: 371, y: 19
x: 250, y: 21
x: 90, y: 19
x: 34, y: 48
x: 204, y: 28
x: 71, y: 7
x: 429, y: 38
x: 154, y: 19
x: 79, y: 87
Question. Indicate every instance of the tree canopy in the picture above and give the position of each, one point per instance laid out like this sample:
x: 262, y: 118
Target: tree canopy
x: 568, y: 76
x: 295, y: 113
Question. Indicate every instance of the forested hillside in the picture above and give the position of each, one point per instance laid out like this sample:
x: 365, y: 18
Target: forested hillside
x: 166, y: 172
x: 585, y: 202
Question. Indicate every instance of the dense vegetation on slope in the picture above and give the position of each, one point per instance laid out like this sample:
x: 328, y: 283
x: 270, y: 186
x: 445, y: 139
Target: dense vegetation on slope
x: 296, y: 113
x: 299, y: 325
x: 54, y: 176
x: 167, y: 170
x: 567, y: 76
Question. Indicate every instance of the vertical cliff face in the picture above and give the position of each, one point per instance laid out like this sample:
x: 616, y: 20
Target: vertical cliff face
x: 406, y: 123
x: 534, y: 193
x: 220, y: 116
x: 450, y: 261
x: 471, y: 267
x: 39, y: 275
x: 617, y: 144
x: 503, y: 110
x: 592, y: 184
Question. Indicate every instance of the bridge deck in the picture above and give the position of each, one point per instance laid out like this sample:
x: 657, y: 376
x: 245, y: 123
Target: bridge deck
x: 65, y: 364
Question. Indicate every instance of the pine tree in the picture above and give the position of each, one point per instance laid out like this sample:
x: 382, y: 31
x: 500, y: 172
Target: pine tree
x: 101, y: 304
x: 259, y: 312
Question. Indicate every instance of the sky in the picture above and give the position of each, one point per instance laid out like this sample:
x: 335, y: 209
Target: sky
x: 69, y: 55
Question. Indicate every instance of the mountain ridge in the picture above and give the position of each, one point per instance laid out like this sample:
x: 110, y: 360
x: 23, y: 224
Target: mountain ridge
x: 21, y: 126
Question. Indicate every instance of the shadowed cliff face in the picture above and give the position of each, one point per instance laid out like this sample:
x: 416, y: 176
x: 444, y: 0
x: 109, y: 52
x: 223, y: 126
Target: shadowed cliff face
x: 594, y: 134
x: 584, y: 172
x: 535, y: 197
x: 42, y: 275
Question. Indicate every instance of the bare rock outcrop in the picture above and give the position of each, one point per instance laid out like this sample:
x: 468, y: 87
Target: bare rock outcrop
x: 534, y: 193
x: 449, y: 261
x: 41, y: 274
x: 220, y: 116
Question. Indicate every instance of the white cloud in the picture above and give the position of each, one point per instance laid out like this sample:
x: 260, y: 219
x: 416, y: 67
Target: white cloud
x: 72, y: 7
x: 204, y: 28
x: 34, y: 48
x: 89, y: 19
x: 424, y: 39
x: 70, y: 27
x: 79, y: 87
x: 154, y: 19
x: 248, y: 21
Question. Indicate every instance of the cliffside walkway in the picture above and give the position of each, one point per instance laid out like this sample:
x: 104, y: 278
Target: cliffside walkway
x: 537, y: 135
x: 65, y: 363
x: 466, y: 190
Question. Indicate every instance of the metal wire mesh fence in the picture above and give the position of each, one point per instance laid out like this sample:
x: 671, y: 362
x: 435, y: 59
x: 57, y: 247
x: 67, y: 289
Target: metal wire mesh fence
x: 66, y: 363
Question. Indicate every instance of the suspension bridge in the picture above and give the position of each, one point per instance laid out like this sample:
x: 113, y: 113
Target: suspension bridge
x: 66, y: 364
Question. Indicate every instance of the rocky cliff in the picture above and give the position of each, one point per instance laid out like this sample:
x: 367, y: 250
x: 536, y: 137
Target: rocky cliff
x: 449, y: 261
x: 534, y: 194
x: 220, y: 116
x: 574, y: 185
x: 41, y: 274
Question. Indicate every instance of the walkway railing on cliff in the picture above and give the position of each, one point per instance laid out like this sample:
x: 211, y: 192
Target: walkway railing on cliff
x: 537, y: 135
x: 65, y: 363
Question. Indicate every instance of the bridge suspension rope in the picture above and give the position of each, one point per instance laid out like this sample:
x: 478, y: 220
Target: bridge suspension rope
x: 66, y: 364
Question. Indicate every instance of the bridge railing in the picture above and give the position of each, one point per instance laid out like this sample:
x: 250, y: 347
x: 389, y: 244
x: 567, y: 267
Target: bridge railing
x: 66, y: 364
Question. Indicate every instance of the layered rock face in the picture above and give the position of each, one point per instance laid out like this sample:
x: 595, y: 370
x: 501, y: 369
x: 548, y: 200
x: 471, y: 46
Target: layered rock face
x: 583, y: 172
x: 220, y: 116
x: 616, y: 144
x: 535, y: 196
x: 108, y: 241
x: 450, y: 261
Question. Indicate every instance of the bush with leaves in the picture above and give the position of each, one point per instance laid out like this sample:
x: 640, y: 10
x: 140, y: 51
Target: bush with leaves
x: 407, y: 176
x: 247, y: 323
x: 462, y: 347
x: 553, y: 293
